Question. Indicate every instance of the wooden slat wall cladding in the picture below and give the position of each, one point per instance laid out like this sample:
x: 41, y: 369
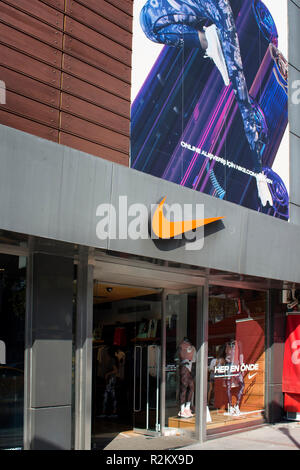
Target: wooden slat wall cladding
x: 67, y: 69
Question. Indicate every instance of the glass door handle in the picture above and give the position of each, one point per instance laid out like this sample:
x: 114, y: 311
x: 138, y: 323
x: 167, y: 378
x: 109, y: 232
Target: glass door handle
x: 135, y: 409
x: 157, y: 424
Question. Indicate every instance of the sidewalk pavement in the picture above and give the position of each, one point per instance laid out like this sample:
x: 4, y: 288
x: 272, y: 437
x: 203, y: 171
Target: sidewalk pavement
x: 280, y: 436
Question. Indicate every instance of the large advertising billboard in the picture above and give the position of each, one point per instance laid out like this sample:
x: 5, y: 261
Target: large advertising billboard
x: 210, y: 98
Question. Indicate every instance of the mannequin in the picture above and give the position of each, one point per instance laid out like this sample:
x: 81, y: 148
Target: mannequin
x: 186, y: 354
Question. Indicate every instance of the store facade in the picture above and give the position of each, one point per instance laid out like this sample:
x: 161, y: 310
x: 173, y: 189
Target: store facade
x: 196, y: 324
x: 226, y: 296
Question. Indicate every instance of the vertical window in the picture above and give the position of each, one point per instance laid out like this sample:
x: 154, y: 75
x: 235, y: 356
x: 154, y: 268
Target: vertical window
x: 12, y: 328
x: 236, y: 358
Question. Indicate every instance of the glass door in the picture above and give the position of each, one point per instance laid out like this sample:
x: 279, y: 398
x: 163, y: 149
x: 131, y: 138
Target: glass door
x: 126, y: 361
x: 147, y: 366
x: 146, y: 387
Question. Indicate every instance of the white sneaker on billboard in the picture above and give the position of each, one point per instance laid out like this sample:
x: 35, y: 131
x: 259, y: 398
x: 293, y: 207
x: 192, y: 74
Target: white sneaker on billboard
x: 263, y: 190
x: 214, y: 51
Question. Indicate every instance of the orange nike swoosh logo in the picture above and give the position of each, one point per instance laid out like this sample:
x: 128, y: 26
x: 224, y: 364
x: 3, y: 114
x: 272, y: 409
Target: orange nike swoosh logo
x: 165, y: 229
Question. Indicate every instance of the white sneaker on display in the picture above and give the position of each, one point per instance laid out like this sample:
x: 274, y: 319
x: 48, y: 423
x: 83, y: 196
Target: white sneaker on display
x: 185, y: 413
x: 230, y: 411
x: 189, y: 412
x: 214, y: 51
x: 263, y: 190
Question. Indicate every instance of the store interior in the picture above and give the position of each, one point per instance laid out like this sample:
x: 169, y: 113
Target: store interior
x: 126, y: 354
x: 127, y: 360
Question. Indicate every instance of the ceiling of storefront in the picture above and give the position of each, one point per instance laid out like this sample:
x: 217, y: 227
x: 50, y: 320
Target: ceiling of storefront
x: 148, y: 275
x: 110, y: 292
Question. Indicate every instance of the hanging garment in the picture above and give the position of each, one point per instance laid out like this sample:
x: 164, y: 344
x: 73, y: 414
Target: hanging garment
x: 120, y: 336
x: 110, y: 393
x: 105, y: 362
x: 121, y: 357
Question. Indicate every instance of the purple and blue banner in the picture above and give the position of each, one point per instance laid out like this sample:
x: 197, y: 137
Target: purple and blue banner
x: 210, y: 98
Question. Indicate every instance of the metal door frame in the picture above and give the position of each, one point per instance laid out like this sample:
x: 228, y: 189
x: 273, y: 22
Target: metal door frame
x: 145, y: 430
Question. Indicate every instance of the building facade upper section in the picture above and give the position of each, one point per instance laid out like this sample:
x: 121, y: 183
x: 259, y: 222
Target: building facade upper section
x: 66, y: 68
x: 67, y: 74
x: 210, y: 98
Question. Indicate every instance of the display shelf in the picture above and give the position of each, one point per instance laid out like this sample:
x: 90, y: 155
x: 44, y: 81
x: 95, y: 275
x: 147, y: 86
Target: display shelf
x: 143, y: 340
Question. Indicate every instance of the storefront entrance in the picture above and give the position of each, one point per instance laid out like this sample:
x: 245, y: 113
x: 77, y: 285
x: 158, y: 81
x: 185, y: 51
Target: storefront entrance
x: 182, y: 359
x: 138, y: 383
x: 126, y: 360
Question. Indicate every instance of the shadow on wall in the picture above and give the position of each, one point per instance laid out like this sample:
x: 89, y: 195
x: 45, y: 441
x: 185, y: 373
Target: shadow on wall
x: 275, y: 411
x: 41, y: 444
